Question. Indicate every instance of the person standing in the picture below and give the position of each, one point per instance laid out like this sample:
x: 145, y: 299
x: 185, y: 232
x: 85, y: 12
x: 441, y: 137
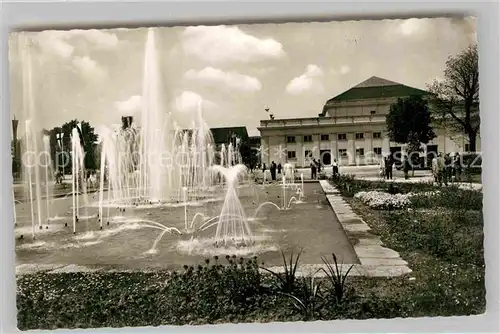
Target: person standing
x: 406, y: 166
x: 457, y: 167
x: 273, y: 171
x: 279, y: 167
x: 382, y: 172
x: 435, y: 169
x: 441, y: 170
x: 313, y: 169
x: 389, y: 163
x: 335, y: 167
x: 448, y: 168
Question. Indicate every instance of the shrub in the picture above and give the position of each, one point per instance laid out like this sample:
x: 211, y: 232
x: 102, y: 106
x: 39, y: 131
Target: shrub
x: 310, y: 300
x: 336, y: 277
x: 286, y: 281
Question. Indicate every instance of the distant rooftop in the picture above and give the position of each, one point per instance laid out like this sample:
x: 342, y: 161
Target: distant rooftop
x: 373, y: 88
x: 222, y: 135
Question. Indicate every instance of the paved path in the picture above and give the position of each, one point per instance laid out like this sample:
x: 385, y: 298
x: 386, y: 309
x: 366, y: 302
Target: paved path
x: 376, y: 260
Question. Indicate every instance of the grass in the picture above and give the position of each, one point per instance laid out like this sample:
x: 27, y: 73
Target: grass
x: 441, y: 239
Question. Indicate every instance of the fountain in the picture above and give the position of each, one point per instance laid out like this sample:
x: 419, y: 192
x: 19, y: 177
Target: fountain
x: 134, y: 172
x: 289, y: 172
x: 232, y: 226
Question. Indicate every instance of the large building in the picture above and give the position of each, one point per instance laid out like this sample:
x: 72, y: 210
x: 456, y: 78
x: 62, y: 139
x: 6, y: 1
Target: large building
x: 351, y: 128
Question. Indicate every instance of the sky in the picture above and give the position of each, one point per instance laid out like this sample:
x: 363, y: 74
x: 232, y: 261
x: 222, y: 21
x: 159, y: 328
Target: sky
x: 238, y: 70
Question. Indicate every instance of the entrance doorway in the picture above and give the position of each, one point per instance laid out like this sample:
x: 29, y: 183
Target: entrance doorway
x: 326, y: 157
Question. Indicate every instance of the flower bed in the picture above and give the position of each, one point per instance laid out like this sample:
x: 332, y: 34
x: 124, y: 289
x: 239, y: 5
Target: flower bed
x: 380, y: 200
x: 383, y: 201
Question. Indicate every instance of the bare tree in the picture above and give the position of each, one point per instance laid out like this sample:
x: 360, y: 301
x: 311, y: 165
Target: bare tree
x: 455, y: 100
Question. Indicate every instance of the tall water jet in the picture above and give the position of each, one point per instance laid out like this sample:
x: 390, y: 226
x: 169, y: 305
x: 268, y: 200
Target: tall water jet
x: 77, y: 173
x: 29, y: 168
x: 151, y: 147
x: 284, y: 191
x: 184, y: 191
x: 47, y: 166
x: 232, y: 226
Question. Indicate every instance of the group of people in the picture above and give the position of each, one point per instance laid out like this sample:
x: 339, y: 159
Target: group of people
x: 386, y: 167
x: 91, y: 178
x: 273, y: 169
x: 315, y: 168
x: 446, y: 167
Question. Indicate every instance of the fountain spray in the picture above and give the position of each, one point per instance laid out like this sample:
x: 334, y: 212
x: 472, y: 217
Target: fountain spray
x: 302, y: 182
x: 184, y: 191
x: 101, y: 184
x: 30, y: 181
x: 284, y: 192
x: 46, y: 141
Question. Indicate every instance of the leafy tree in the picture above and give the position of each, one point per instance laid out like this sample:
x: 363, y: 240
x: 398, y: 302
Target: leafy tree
x: 89, y: 144
x: 409, y: 122
x: 15, y: 149
x: 455, y: 100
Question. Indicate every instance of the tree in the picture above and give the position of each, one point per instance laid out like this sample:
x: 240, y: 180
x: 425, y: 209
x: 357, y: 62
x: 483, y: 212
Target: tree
x: 455, y: 99
x: 89, y: 144
x: 409, y: 122
x: 15, y: 150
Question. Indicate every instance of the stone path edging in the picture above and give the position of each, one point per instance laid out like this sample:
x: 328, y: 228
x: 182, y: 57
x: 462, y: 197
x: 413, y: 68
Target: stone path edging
x: 376, y: 260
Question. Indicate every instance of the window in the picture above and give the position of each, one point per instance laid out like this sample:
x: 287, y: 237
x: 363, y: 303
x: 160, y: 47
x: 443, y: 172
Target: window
x: 373, y: 112
x: 290, y: 139
x: 360, y: 135
x: 467, y: 147
x: 342, y: 153
x: 360, y: 152
x: 377, y: 150
x: 377, y: 135
x: 342, y: 136
x: 308, y: 138
x: 307, y: 154
x: 325, y: 137
x: 291, y: 154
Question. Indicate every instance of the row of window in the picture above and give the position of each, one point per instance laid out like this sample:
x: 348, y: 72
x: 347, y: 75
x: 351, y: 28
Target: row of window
x: 340, y: 136
x: 342, y: 153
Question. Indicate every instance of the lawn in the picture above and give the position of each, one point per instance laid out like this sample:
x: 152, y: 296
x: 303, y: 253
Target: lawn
x: 440, y: 236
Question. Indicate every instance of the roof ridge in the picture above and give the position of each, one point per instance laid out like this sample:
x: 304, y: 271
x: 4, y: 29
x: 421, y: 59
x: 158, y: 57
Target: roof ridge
x: 375, y: 81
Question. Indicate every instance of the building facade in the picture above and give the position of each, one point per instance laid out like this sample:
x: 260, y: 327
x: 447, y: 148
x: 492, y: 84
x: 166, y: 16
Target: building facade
x: 351, y: 129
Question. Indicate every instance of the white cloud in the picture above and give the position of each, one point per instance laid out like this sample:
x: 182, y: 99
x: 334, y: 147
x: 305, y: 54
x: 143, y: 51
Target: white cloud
x: 130, y: 106
x: 188, y: 101
x: 97, y: 37
x: 89, y: 68
x: 313, y: 71
x: 54, y: 43
x: 234, y: 80
x: 345, y: 69
x: 410, y: 26
x: 58, y: 42
x: 307, y: 82
x: 218, y: 44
